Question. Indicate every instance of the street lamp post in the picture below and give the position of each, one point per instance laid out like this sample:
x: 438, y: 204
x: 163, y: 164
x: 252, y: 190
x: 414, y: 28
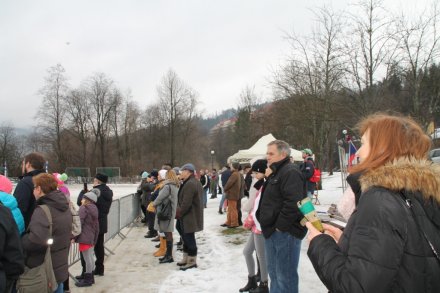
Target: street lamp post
x: 212, y: 159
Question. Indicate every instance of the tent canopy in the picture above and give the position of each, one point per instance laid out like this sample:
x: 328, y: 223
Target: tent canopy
x: 258, y: 150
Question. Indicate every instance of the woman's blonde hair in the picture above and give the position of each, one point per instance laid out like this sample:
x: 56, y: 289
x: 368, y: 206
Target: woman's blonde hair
x: 171, y: 176
x: 391, y: 137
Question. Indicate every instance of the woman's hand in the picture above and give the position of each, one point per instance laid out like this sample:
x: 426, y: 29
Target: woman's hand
x: 334, y: 232
x: 313, y: 232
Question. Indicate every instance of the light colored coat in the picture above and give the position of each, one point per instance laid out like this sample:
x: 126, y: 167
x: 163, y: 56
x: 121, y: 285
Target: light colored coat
x: 168, y: 191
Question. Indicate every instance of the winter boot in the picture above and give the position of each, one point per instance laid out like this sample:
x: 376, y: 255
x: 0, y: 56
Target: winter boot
x: 151, y: 234
x: 184, y: 260
x: 86, y: 282
x: 157, y: 245
x: 220, y: 211
x: 262, y: 288
x: 169, y: 254
x: 157, y: 239
x: 162, y: 249
x: 191, y: 263
x: 251, y: 284
x: 80, y: 277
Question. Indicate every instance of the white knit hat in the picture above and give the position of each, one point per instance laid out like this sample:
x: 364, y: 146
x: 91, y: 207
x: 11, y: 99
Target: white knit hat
x: 163, y: 174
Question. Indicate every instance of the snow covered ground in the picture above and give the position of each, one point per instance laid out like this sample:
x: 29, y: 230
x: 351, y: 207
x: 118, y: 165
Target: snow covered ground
x: 222, y: 268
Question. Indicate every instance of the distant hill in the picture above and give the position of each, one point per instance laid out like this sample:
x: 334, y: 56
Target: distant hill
x: 208, y: 123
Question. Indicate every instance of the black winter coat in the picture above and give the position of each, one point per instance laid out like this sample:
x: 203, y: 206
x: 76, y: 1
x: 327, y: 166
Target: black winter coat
x: 103, y: 204
x: 35, y: 239
x: 278, y: 204
x: 204, y: 180
x: 24, y: 193
x: 11, y: 252
x: 382, y: 248
x: 308, y: 168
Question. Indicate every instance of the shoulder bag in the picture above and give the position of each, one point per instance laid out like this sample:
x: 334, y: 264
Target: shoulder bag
x: 41, y: 278
x: 165, y: 209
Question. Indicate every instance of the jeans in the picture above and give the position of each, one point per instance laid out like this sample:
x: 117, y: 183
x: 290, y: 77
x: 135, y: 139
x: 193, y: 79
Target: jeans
x: 189, y: 239
x: 205, y: 197
x: 222, y: 201
x: 282, y: 256
x: 60, y: 288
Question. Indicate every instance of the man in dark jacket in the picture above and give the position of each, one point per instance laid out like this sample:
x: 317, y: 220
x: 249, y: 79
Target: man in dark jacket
x: 280, y: 218
x: 11, y: 253
x: 189, y: 215
x: 224, y: 179
x: 103, y: 204
x: 33, y: 164
x: 308, y: 168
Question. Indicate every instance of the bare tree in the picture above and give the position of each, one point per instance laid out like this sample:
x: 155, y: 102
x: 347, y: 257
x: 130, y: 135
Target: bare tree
x: 177, y: 102
x: 10, y: 153
x: 311, y: 81
x: 77, y: 107
x: 102, y: 101
x: 52, y: 110
x: 420, y: 48
x: 370, y: 53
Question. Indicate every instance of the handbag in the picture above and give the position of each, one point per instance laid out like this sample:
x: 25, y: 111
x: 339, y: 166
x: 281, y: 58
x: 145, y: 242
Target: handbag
x: 164, y: 210
x: 41, y: 278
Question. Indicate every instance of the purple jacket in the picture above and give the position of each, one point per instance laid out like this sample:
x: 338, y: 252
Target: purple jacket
x: 88, y: 215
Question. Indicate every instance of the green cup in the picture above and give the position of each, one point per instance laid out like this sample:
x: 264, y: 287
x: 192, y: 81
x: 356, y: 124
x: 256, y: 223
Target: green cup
x: 308, y: 210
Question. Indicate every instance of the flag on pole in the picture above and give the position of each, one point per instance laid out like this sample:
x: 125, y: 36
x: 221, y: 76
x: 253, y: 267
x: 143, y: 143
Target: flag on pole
x: 351, y: 153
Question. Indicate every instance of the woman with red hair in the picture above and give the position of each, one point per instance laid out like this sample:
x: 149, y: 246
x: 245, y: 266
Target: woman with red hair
x: 391, y: 242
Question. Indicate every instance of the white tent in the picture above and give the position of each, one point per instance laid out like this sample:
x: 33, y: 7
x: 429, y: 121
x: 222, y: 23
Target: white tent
x: 258, y: 150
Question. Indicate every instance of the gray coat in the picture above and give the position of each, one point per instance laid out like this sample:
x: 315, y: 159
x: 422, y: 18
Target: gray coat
x: 190, y: 205
x: 168, y: 191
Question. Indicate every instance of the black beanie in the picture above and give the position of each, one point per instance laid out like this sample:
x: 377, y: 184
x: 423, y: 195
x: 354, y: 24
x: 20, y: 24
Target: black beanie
x: 259, y: 166
x: 101, y: 177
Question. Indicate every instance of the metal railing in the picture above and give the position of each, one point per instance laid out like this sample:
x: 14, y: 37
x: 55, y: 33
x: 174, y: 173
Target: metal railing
x: 123, y: 212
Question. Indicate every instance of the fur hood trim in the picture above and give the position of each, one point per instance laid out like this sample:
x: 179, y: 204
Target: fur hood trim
x: 406, y: 174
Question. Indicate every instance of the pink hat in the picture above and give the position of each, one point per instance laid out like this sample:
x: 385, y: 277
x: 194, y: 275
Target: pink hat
x: 5, y: 184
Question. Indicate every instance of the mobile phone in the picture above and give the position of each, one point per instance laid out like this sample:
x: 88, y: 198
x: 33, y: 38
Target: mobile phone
x: 336, y: 223
x: 85, y: 186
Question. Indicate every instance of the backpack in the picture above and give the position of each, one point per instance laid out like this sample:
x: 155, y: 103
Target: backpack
x: 76, y: 222
x: 316, y: 177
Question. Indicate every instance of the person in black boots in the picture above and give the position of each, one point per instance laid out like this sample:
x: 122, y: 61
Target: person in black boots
x: 149, y: 188
x: 103, y: 204
x: 189, y: 215
x: 166, y: 205
x: 143, y: 195
x: 88, y: 213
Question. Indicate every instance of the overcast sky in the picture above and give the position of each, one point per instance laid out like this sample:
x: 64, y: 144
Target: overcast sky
x: 217, y: 47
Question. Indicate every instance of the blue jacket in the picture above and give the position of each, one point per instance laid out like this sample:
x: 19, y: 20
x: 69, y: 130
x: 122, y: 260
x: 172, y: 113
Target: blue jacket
x: 10, y: 202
